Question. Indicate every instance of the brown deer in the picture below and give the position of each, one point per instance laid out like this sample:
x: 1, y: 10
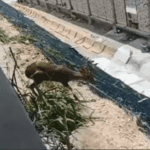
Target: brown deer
x: 43, y: 71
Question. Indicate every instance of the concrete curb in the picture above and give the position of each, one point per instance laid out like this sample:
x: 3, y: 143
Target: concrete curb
x: 79, y: 38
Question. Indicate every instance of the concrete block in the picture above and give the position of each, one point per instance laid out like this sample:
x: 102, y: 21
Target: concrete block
x: 43, y: 4
x: 28, y: 1
x: 85, y: 7
x: 60, y: 29
x: 88, y: 43
x: 120, y: 11
x: 145, y: 69
x: 54, y: 26
x: 59, y: 2
x: 127, y: 78
x: 93, y: 7
x: 109, y: 9
x: 101, y: 9
x: 132, y: 79
x: 40, y: 18
x: 51, y: 1
x: 80, y: 38
x: 147, y: 92
x: 65, y: 32
x: 102, y: 62
x: 72, y: 35
x: 35, y: 2
x: 123, y: 54
x: 66, y: 4
x: 25, y: 10
x: 114, y: 68
x: 49, y: 23
x: 143, y: 15
x: 120, y: 75
x: 97, y: 47
x: 142, y: 86
x: 43, y: 19
x: 79, y: 5
x: 74, y: 4
x: 108, y: 51
x: 33, y: 14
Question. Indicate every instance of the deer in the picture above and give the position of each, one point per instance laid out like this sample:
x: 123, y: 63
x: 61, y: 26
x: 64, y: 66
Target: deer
x: 47, y: 71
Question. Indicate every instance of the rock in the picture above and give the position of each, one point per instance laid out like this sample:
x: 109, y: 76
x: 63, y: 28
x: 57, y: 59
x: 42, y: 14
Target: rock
x: 27, y: 42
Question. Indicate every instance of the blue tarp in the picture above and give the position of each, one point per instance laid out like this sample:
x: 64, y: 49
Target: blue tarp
x: 62, y: 53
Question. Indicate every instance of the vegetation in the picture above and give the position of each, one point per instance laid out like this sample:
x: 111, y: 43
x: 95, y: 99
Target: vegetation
x: 56, y: 112
x: 25, y: 39
x: 3, y: 37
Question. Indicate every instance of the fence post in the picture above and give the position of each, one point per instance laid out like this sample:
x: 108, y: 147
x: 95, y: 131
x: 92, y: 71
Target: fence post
x: 70, y: 5
x: 115, y: 20
x: 56, y: 2
x: 89, y: 17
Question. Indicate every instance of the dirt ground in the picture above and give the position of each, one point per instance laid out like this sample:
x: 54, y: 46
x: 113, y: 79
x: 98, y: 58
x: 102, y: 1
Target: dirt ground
x: 112, y: 128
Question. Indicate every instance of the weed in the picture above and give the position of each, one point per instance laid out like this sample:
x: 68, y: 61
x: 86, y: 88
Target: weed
x: 3, y: 37
x: 25, y: 39
x: 58, y: 112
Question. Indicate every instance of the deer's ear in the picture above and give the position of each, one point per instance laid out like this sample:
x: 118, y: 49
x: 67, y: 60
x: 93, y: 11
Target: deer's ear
x: 36, y: 73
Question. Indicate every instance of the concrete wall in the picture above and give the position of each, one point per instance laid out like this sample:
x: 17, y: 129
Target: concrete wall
x: 120, y: 12
x: 143, y: 8
x: 129, y: 13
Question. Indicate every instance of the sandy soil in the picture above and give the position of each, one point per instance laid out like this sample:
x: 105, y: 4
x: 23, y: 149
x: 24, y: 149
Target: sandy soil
x: 112, y: 128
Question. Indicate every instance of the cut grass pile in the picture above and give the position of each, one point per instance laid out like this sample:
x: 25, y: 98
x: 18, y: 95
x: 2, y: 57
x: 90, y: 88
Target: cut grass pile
x: 56, y: 112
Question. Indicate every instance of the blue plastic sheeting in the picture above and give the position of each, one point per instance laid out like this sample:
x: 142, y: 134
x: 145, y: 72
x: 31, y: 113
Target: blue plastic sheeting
x: 62, y: 53
x: 16, y: 129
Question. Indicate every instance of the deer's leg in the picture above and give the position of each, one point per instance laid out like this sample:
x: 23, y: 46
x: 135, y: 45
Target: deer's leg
x: 32, y: 87
x: 68, y: 86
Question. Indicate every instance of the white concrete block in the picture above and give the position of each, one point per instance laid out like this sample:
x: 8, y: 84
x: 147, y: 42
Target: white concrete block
x: 132, y: 79
x: 147, y: 92
x: 145, y: 69
x: 113, y: 68
x: 142, y: 86
x: 123, y: 54
x: 102, y: 62
x: 120, y: 75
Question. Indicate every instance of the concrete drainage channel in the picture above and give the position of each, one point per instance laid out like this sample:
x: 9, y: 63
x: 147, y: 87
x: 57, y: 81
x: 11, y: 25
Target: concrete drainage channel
x: 105, y: 84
